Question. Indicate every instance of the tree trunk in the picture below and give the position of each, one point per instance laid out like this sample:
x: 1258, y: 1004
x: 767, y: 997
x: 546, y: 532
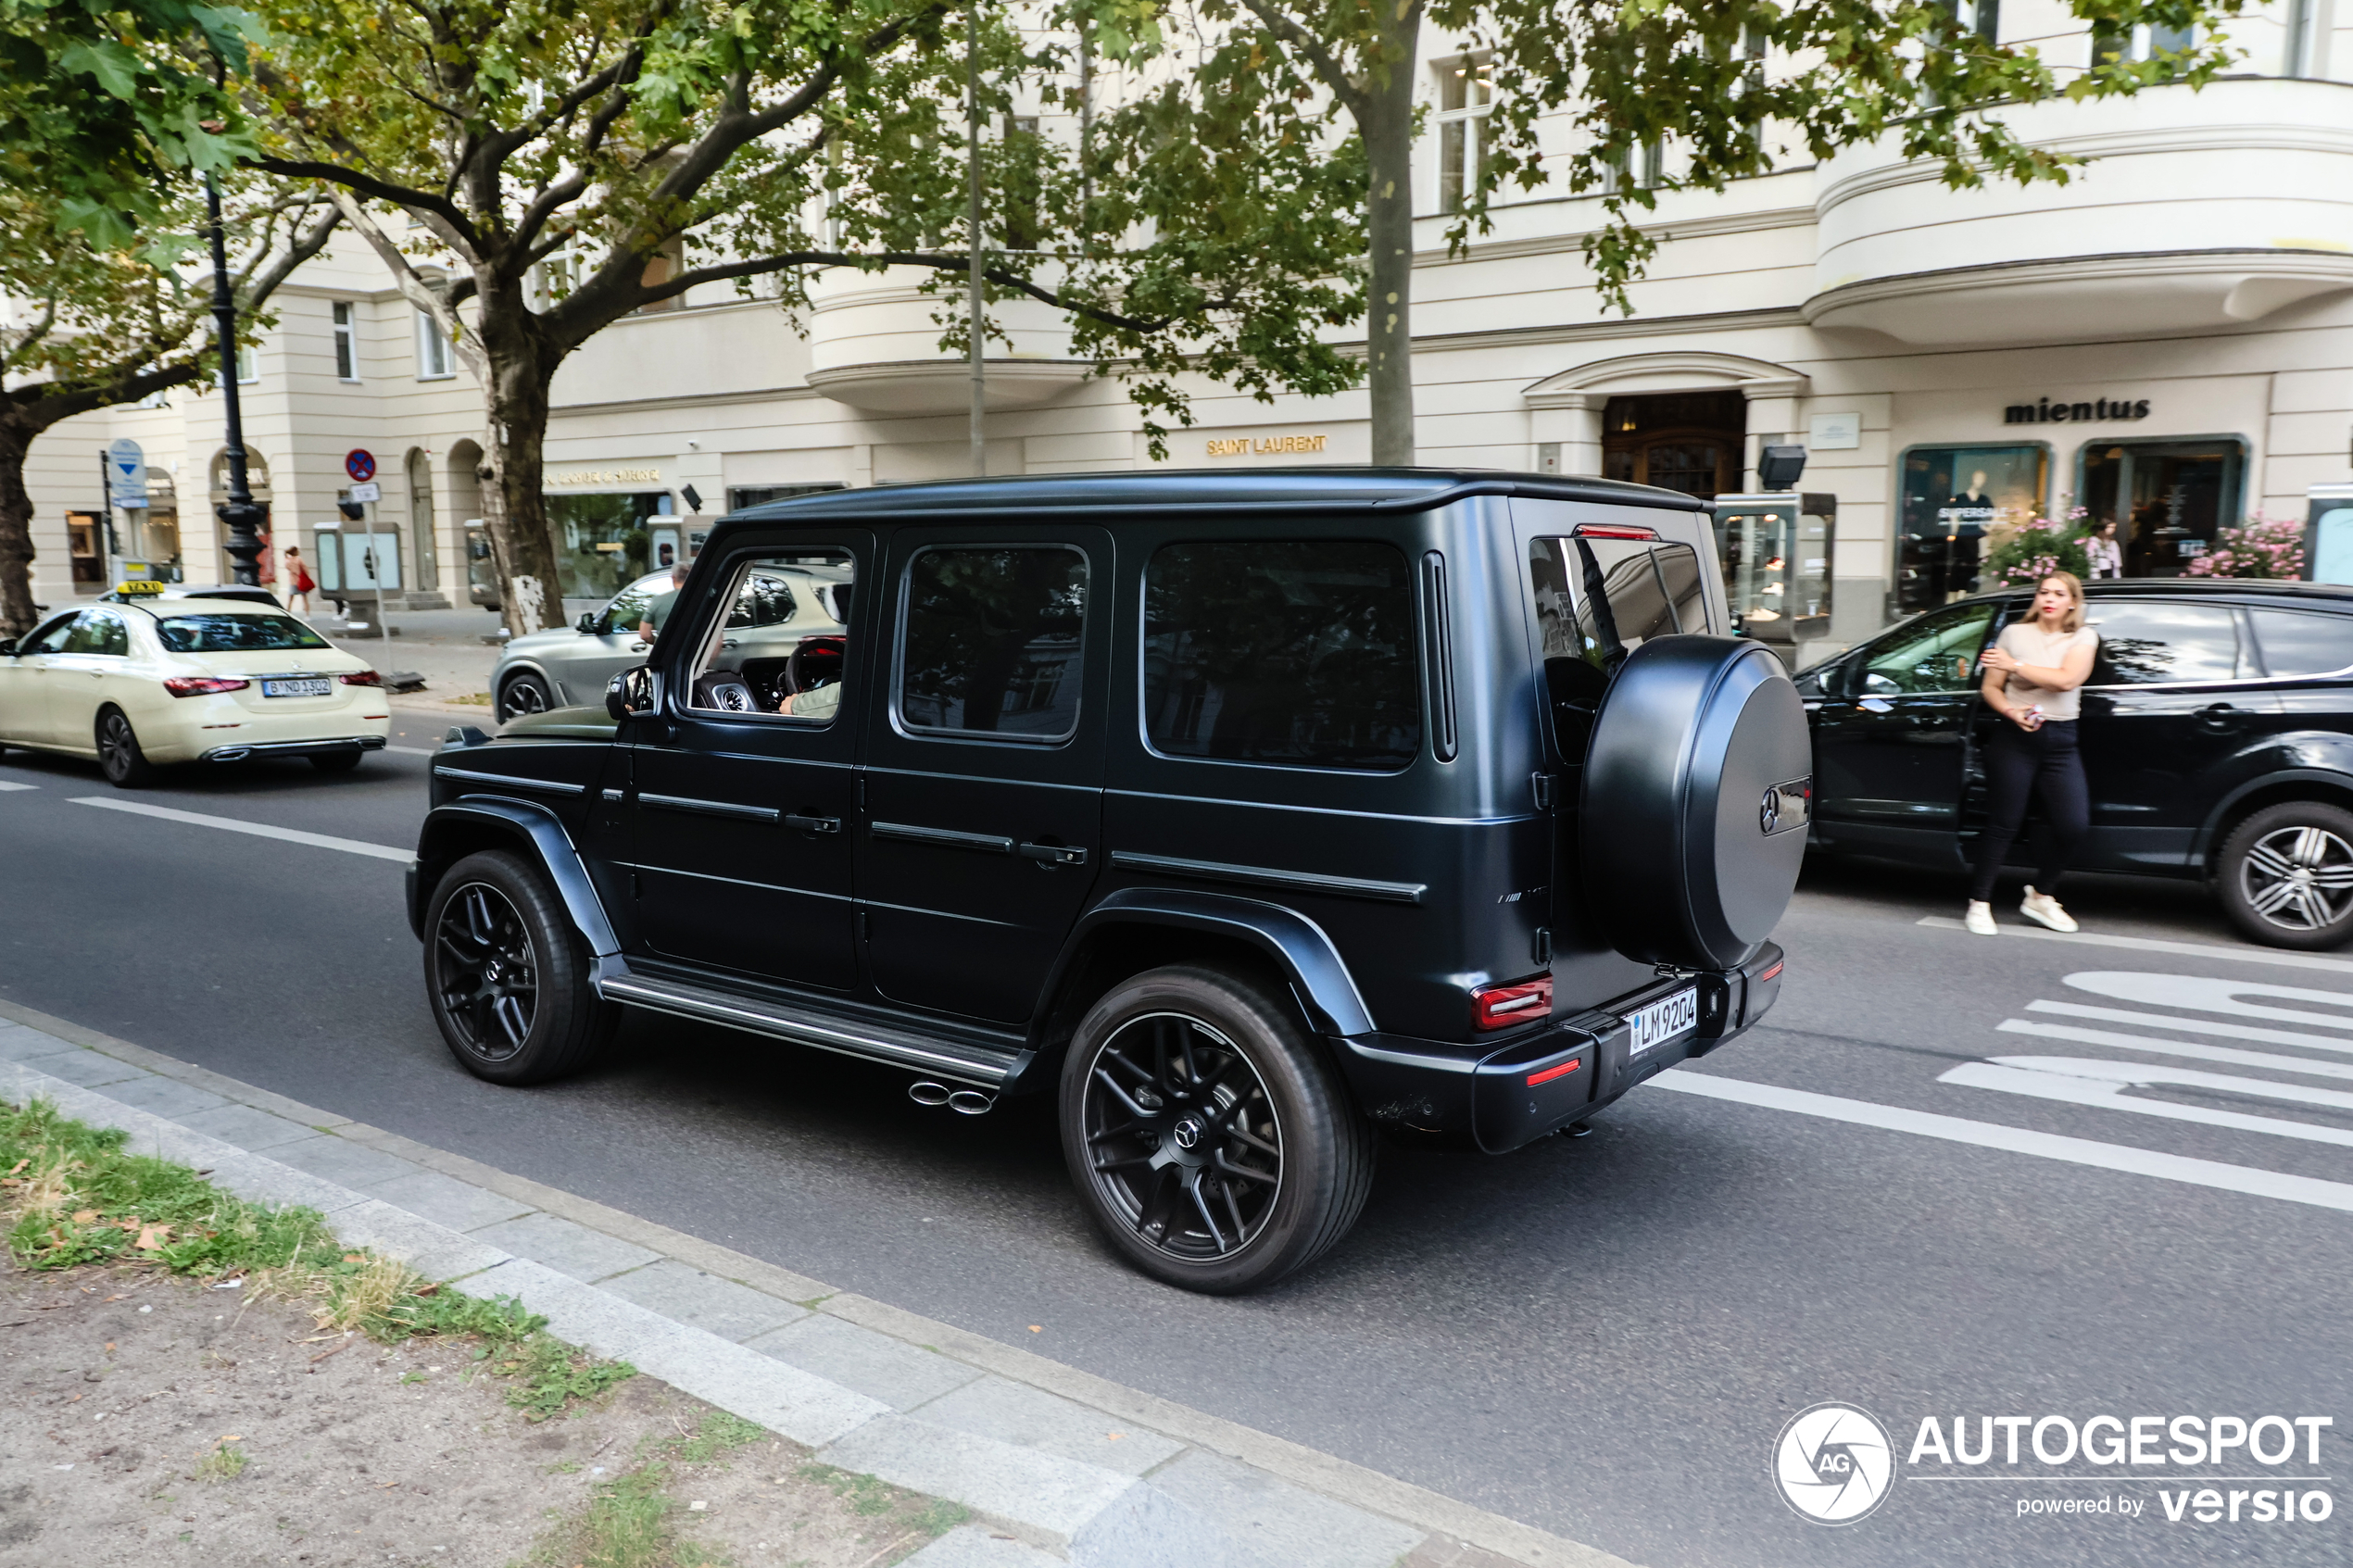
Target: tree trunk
x: 1387, y: 125
x: 522, y: 548
x: 15, y: 532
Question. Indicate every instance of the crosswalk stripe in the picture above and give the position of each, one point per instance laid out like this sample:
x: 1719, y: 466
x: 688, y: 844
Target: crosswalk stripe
x: 2138, y: 1073
x: 2192, y: 1025
x: 2003, y: 1075
x: 2152, y: 944
x: 259, y: 830
x: 6, y: 785
x: 2305, y: 1065
x: 2016, y: 1140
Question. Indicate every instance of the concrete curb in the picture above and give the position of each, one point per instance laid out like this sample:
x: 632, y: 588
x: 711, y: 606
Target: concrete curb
x: 1022, y: 1440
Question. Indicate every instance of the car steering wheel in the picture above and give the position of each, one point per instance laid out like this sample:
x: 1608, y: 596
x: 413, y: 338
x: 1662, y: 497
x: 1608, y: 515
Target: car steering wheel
x: 798, y: 677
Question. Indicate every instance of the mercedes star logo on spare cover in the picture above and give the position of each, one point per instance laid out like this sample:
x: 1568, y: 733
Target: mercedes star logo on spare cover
x: 1833, y: 1463
x: 1769, y: 816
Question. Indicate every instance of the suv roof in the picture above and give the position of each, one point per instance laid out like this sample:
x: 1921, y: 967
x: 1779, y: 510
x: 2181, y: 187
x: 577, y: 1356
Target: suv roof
x: 1292, y: 489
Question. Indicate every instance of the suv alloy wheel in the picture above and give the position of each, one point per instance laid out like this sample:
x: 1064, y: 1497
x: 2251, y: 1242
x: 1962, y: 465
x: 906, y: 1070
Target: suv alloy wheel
x: 2285, y: 875
x: 505, y: 977
x: 1215, y: 1147
x: 524, y: 694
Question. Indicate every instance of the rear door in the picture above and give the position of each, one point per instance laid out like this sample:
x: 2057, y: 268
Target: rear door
x: 983, y: 756
x: 1891, y: 735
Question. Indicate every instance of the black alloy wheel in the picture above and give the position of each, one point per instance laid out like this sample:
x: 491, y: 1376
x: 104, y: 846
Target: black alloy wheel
x: 125, y: 765
x: 1215, y: 1145
x: 506, y: 976
x: 524, y: 694
x: 2285, y: 875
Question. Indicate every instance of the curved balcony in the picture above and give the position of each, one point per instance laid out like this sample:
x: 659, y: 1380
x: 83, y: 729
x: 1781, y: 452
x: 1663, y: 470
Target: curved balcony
x: 874, y: 343
x: 2203, y: 209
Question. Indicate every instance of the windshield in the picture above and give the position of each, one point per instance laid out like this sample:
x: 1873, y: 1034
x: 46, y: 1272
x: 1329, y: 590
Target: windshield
x: 235, y: 634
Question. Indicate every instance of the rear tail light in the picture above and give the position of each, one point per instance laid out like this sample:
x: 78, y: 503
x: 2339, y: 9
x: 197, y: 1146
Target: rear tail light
x: 361, y: 678
x: 201, y: 685
x: 1614, y: 531
x: 1503, y: 1007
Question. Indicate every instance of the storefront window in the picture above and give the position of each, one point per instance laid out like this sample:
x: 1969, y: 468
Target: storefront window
x: 608, y: 540
x: 1951, y: 497
x: 2167, y: 497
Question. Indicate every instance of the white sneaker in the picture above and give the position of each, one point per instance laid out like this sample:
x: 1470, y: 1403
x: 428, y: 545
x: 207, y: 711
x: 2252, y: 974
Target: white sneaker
x: 2044, y: 909
x: 1980, y: 919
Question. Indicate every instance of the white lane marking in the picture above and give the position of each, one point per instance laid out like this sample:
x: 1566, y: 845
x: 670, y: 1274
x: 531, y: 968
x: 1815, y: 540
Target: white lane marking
x: 2072, y: 1089
x: 2178, y: 1048
x: 2016, y: 1140
x: 6, y: 785
x: 259, y: 830
x: 2135, y: 1074
x: 412, y: 750
x: 2151, y: 945
x: 2190, y: 1025
x: 2197, y: 994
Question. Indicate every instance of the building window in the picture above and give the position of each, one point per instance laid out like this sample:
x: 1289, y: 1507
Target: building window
x: 663, y: 265
x: 1021, y: 182
x: 1954, y: 498
x: 1639, y: 169
x: 553, y: 280
x: 248, y: 369
x: 434, y: 361
x: 1465, y: 93
x: 346, y: 342
x: 2147, y: 41
x: 1981, y: 18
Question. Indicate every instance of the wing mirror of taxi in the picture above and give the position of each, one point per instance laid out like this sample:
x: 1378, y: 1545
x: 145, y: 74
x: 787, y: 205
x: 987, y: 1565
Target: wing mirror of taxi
x: 8, y: 647
x: 633, y: 694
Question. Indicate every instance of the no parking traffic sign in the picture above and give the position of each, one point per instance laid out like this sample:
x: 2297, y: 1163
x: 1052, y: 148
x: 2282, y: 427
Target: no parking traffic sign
x: 361, y: 464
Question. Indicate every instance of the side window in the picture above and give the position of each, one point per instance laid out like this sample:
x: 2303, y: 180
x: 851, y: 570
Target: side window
x: 51, y: 639
x: 2150, y: 643
x: 1600, y: 599
x: 776, y: 651
x: 1936, y: 653
x: 632, y: 606
x: 1299, y: 653
x: 101, y: 632
x: 2299, y: 643
x: 991, y: 642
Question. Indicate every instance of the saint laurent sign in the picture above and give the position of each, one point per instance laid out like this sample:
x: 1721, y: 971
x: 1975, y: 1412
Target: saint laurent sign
x: 608, y: 476
x: 1266, y: 446
x: 2043, y: 411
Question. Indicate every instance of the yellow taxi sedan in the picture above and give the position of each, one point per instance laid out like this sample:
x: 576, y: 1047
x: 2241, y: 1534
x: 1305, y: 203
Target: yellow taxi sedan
x: 154, y: 680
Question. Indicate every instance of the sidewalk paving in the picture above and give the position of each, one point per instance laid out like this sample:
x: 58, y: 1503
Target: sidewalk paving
x: 1080, y: 1469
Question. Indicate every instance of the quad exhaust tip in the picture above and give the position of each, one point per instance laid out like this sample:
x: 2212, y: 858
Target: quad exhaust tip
x: 964, y: 1102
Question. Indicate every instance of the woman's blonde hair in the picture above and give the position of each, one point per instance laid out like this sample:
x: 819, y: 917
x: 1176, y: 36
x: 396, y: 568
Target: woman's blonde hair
x: 2073, y: 620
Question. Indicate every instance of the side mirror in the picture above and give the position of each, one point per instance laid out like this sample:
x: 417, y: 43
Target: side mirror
x: 588, y: 622
x: 8, y: 647
x: 633, y: 693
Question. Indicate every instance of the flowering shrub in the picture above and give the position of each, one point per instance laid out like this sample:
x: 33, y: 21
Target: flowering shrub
x: 2262, y: 546
x: 2032, y: 552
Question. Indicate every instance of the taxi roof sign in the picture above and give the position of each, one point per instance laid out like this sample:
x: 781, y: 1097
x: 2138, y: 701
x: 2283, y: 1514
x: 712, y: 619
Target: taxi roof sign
x: 138, y: 585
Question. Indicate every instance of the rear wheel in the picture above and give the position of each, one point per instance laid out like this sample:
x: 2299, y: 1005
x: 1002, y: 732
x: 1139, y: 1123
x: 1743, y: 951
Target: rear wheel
x: 1213, y: 1145
x: 2285, y: 875
x: 524, y: 694
x: 506, y: 976
x: 125, y: 765
x: 336, y: 761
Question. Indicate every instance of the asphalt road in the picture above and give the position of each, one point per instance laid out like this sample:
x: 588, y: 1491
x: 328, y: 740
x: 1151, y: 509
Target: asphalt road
x: 1601, y: 1337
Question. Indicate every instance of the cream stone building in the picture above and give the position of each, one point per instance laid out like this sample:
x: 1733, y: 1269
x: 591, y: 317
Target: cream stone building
x: 2167, y: 339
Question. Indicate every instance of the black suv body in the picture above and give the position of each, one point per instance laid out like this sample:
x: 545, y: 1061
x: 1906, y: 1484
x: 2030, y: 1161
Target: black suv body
x: 2217, y: 736
x: 1251, y: 814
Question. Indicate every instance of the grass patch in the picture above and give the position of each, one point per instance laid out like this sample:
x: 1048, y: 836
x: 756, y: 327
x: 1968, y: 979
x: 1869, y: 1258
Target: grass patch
x: 630, y: 1520
x: 223, y: 1464
x: 72, y: 1195
x: 472, y: 699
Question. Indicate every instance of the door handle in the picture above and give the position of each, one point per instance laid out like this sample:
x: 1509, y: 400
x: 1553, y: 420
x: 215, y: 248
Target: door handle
x: 1053, y: 854
x: 806, y: 823
x: 2219, y: 715
x: 636, y: 648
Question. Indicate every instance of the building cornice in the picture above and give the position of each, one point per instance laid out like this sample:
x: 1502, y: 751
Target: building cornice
x: 687, y: 400
x: 1677, y: 229
x: 2118, y: 267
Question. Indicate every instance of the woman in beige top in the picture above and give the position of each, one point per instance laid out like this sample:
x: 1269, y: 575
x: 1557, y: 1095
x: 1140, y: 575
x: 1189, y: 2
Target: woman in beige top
x: 2032, y: 675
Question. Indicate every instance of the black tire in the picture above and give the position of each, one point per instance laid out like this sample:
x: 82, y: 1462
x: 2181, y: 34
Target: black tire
x: 522, y: 693
x: 2285, y: 875
x: 336, y: 761
x: 1164, y: 1042
x: 506, y: 976
x: 119, y: 758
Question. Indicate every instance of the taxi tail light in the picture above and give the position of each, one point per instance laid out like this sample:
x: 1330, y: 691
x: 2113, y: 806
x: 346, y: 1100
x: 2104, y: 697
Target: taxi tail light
x: 357, y: 678
x: 1503, y: 1007
x: 201, y: 685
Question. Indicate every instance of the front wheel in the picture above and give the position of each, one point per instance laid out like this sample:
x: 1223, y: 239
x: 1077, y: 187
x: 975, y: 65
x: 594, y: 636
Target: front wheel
x: 2285, y: 875
x: 524, y: 693
x: 505, y: 974
x: 1214, y: 1146
x: 124, y: 764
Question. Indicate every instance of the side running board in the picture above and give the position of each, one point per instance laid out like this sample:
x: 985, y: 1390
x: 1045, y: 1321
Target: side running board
x: 875, y: 1042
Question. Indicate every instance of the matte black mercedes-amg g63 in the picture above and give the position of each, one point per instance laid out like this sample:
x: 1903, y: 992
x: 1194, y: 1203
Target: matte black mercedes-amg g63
x: 1254, y: 816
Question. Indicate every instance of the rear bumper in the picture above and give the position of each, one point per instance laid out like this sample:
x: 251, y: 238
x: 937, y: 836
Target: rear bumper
x: 1538, y: 1082
x: 237, y: 751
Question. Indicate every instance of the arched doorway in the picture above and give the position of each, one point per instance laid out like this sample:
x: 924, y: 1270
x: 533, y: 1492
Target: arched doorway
x: 1686, y: 441
x: 1682, y: 419
x: 465, y: 501
x: 419, y: 471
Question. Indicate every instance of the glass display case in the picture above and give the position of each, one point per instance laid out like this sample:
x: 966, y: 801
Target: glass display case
x: 1775, y: 549
x: 2328, y: 533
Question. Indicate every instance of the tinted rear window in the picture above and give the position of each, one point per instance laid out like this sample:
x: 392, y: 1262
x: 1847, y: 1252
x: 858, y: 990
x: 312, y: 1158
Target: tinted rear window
x: 992, y: 642
x: 1599, y: 599
x: 2152, y: 644
x: 235, y: 634
x: 2299, y: 642
x: 1299, y: 653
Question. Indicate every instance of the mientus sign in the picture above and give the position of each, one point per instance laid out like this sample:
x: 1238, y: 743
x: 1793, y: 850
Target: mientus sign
x: 2047, y: 411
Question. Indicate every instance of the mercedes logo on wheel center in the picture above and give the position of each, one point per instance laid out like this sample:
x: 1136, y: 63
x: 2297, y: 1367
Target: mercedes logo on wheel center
x: 1833, y: 1463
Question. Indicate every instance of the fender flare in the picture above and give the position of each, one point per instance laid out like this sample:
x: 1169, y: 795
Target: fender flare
x: 540, y: 832
x: 2208, y: 839
x: 1307, y: 955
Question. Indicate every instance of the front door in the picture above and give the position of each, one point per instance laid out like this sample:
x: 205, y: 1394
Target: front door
x: 77, y: 682
x: 25, y: 680
x: 744, y: 797
x: 1891, y: 743
x: 610, y: 644
x: 984, y: 765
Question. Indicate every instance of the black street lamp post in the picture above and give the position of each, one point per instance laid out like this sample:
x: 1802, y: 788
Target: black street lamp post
x: 240, y: 518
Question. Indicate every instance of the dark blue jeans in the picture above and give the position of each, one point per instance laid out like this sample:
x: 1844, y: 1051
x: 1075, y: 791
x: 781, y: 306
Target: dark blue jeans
x: 2023, y: 763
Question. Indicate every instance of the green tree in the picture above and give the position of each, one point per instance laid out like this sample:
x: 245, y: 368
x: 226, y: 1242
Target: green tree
x: 90, y: 326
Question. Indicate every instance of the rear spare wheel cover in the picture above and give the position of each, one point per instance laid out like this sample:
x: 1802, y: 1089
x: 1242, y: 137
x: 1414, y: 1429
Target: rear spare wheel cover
x: 1690, y: 852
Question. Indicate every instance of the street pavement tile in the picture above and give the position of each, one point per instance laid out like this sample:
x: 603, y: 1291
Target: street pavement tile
x: 340, y: 1159
x: 447, y: 1200
x: 565, y: 1247
x: 728, y: 1309
x: 164, y: 1097
x: 972, y: 1545
x: 1056, y: 1498
x: 899, y: 1375
x: 246, y: 1127
x: 20, y: 1044
x: 990, y: 1407
x: 1275, y: 1524
x: 435, y: 1251
x: 90, y: 1069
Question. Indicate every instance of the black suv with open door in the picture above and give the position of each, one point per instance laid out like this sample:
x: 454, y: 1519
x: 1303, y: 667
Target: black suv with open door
x: 1252, y: 815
